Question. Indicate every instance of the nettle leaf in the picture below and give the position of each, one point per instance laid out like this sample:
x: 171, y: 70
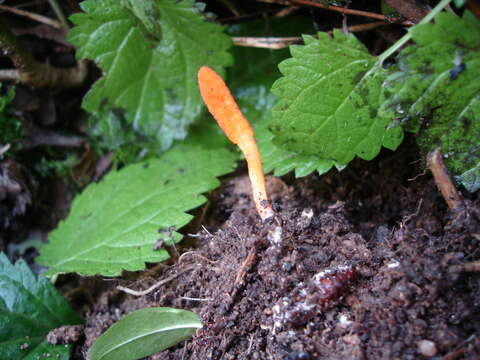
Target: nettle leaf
x: 150, y: 69
x: 251, y: 83
x: 328, y: 101
x: 436, y: 91
x: 282, y: 161
x: 114, y: 224
x: 29, y: 308
x: 144, y: 332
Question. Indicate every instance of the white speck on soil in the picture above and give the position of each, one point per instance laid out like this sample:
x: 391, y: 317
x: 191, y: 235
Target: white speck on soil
x: 275, y: 236
x: 393, y: 264
x: 427, y: 348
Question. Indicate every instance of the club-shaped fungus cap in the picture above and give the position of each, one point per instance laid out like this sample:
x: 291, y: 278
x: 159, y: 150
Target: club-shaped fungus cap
x: 226, y: 112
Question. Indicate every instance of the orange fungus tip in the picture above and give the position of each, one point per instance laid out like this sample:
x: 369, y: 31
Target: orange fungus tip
x: 224, y: 109
x: 222, y: 105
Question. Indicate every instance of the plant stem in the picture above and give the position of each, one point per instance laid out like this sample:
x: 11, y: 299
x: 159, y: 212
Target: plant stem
x: 58, y: 11
x: 444, y: 182
x: 383, y: 56
x: 345, y: 10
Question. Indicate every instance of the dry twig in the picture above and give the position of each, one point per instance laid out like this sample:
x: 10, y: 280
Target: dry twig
x: 154, y: 286
x: 32, y: 16
x: 444, y: 182
x: 246, y: 265
x: 350, y: 11
x: 195, y: 253
x: 275, y: 43
x: 473, y: 266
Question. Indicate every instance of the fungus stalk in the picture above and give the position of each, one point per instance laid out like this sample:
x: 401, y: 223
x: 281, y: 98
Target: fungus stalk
x: 236, y: 127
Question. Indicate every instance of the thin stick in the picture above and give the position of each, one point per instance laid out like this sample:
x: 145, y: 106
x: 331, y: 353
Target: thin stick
x: 59, y: 12
x: 350, y: 11
x: 444, y: 182
x: 195, y: 299
x: 473, y: 266
x: 32, y: 16
x: 153, y: 287
x: 195, y: 253
x: 246, y: 265
x: 275, y: 43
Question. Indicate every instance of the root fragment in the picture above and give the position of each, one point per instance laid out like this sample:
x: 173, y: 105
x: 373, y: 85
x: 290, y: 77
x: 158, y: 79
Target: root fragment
x: 444, y: 181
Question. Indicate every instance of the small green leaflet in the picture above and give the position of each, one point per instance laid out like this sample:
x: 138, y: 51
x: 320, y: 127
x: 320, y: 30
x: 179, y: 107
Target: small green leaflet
x: 328, y: 100
x: 29, y: 309
x: 144, y: 332
x: 114, y: 224
x: 436, y: 91
x: 150, y: 69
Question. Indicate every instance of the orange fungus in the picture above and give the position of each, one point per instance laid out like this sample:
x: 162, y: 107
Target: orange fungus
x: 224, y: 109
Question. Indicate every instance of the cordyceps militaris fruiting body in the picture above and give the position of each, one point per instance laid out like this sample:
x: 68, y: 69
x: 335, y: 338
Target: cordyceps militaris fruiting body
x: 226, y: 112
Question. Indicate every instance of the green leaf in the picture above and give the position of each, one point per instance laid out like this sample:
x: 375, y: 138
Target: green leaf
x: 328, y: 101
x: 436, y: 91
x: 151, y: 74
x: 283, y: 161
x: 29, y: 308
x: 251, y: 83
x: 114, y: 224
x: 143, y: 333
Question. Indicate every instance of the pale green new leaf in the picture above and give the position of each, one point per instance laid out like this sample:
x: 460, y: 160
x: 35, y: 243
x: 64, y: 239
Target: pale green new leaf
x: 144, y: 332
x: 436, y: 91
x: 328, y: 101
x: 29, y: 308
x: 149, y: 67
x: 114, y: 224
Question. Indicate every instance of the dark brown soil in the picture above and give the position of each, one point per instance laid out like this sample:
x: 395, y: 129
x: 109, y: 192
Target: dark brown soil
x: 393, y: 283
